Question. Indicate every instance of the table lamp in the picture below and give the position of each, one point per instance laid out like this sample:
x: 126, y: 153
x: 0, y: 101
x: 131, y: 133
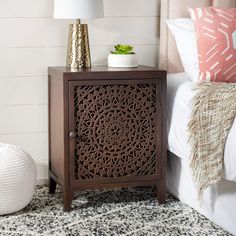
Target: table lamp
x: 78, y: 53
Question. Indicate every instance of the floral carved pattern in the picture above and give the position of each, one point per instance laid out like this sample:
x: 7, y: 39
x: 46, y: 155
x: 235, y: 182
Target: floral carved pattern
x: 116, y: 127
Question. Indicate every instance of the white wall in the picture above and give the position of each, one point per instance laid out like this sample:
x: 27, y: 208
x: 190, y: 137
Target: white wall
x: 30, y: 41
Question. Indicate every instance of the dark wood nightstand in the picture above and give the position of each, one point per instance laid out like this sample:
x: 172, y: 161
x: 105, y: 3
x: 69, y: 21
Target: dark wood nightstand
x: 107, y: 128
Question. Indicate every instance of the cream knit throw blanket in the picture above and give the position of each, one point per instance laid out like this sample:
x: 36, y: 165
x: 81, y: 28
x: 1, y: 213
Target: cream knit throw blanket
x: 214, y: 110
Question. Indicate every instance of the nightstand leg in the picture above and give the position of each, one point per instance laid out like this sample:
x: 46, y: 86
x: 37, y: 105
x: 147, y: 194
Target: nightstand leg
x: 161, y: 193
x: 52, y: 185
x: 67, y: 199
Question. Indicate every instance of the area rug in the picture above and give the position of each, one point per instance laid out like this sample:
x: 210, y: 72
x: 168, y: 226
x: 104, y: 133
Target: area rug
x: 108, y: 212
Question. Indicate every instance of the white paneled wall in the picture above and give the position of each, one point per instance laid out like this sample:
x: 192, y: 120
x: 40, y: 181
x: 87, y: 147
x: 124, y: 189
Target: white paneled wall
x: 30, y: 41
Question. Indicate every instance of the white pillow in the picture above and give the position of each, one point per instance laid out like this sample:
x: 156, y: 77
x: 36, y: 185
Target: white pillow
x: 185, y: 37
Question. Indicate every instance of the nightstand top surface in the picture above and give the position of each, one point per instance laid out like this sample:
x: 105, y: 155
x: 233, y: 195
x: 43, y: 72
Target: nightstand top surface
x: 106, y: 73
x: 102, y: 68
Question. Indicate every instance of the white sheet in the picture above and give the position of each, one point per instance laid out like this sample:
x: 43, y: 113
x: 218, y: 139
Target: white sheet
x: 218, y: 203
x: 179, y: 94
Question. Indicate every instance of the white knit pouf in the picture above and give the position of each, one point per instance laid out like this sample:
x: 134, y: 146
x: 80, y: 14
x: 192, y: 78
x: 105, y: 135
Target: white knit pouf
x: 17, y: 178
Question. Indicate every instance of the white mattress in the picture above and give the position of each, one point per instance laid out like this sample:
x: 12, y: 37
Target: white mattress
x: 180, y: 93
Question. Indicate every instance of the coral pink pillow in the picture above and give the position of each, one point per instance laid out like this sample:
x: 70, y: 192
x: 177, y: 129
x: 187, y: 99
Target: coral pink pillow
x: 216, y: 43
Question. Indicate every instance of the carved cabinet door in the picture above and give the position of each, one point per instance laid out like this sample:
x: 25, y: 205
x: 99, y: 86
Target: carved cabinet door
x: 115, y: 130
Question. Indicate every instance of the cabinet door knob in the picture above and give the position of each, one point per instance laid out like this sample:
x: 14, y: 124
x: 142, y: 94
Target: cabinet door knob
x: 72, y: 134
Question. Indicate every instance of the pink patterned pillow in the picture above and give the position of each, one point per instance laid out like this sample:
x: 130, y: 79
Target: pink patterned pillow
x: 216, y: 42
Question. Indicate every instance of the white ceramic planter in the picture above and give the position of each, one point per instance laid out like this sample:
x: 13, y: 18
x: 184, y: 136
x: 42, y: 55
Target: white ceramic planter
x: 117, y: 60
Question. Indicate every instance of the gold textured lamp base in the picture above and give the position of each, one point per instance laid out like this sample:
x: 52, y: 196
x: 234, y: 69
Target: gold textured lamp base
x: 78, y: 53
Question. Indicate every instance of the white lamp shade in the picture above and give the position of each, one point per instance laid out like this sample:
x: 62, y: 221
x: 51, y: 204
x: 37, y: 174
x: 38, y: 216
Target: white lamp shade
x: 78, y: 9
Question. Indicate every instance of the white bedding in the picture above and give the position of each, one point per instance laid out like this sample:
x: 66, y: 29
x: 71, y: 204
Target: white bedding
x: 218, y: 202
x: 180, y: 93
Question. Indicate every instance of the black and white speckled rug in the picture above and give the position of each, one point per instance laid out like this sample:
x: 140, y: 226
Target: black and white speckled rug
x: 107, y: 212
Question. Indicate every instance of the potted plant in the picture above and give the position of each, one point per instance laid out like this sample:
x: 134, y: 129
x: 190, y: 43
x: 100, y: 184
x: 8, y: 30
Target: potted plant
x: 123, y: 56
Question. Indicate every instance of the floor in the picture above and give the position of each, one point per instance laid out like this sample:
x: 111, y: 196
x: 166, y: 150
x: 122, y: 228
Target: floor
x: 108, y: 212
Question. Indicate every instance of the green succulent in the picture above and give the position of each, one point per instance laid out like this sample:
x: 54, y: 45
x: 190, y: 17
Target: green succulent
x: 123, y: 49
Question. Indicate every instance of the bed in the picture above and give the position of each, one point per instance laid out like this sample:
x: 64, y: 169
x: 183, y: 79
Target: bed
x: 219, y: 201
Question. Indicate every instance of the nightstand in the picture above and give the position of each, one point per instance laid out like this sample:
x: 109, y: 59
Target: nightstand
x: 107, y: 128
